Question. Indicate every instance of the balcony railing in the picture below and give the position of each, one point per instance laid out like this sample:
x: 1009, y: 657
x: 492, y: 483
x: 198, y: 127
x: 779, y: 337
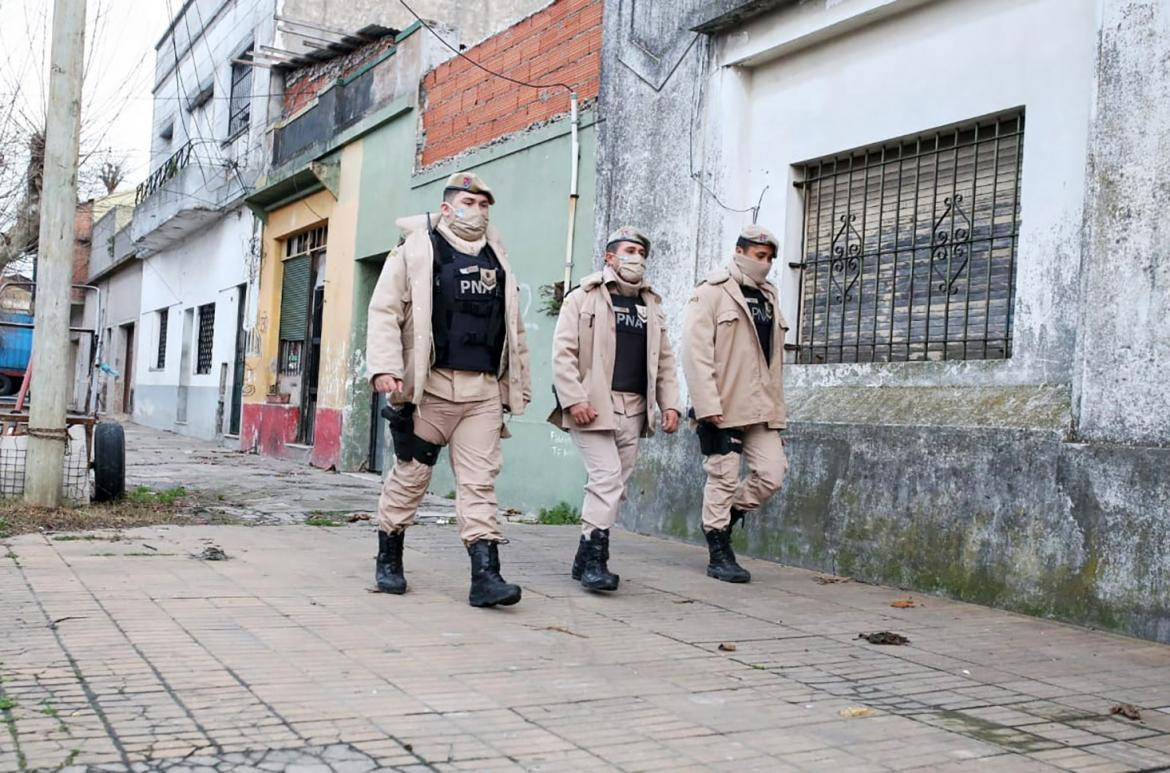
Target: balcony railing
x: 165, y: 172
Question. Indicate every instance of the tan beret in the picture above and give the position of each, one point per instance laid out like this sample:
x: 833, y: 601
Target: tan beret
x: 757, y: 234
x: 470, y: 182
x: 627, y: 233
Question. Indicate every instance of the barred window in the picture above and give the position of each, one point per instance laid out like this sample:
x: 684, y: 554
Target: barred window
x: 161, y: 358
x: 240, y: 101
x: 910, y: 246
x: 206, y: 338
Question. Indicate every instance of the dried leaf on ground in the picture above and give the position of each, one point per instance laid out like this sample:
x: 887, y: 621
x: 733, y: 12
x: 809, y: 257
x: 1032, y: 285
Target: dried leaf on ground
x: 829, y: 579
x: 854, y: 712
x: 1127, y: 710
x: 212, y: 553
x: 884, y: 637
x: 355, y: 517
x: 903, y: 604
x: 727, y: 647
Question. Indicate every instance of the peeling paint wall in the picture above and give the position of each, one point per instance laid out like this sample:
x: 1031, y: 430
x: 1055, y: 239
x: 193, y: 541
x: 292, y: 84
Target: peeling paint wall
x: 961, y: 478
x: 266, y: 422
x: 1124, y: 346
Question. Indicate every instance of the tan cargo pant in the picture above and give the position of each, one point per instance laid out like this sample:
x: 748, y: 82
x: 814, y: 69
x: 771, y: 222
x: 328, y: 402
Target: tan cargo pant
x: 767, y: 465
x: 609, y: 457
x: 471, y: 432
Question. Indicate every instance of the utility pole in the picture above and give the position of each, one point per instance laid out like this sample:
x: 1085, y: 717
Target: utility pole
x: 45, y: 461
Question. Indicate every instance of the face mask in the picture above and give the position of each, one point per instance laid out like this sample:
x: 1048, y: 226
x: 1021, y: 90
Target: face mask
x: 631, y: 268
x: 753, y: 269
x: 470, y: 227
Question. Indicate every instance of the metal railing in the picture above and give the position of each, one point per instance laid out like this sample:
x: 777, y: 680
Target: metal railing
x: 910, y: 247
x: 164, y: 173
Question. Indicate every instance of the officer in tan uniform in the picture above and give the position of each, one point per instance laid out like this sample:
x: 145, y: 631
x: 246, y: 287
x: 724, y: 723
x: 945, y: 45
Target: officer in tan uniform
x: 733, y: 345
x: 446, y: 342
x: 612, y: 363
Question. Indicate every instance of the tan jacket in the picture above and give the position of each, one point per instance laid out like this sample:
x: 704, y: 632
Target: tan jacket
x: 725, y: 368
x: 398, y: 337
x: 584, y: 346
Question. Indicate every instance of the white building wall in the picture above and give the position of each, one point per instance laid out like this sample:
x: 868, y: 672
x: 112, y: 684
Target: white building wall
x: 207, y: 267
x: 824, y: 78
x: 232, y: 26
x: 196, y: 239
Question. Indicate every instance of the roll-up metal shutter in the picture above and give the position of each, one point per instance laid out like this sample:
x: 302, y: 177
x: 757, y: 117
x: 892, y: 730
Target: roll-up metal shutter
x: 294, y: 299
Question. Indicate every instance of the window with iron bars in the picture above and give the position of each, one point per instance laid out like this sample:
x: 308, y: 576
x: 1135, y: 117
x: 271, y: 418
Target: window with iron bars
x: 206, y: 337
x: 240, y: 101
x: 300, y: 252
x: 163, y: 318
x: 910, y: 247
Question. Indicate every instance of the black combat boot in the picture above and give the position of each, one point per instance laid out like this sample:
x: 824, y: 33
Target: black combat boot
x: 579, y: 559
x: 722, y: 565
x: 487, y: 586
x: 595, y: 574
x: 737, y: 516
x: 388, y: 572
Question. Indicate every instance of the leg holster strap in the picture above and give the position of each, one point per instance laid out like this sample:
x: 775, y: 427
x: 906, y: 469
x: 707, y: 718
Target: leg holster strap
x: 425, y: 452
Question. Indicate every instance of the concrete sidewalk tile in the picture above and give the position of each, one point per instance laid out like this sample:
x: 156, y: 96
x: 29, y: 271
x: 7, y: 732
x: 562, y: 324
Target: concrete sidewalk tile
x: 281, y: 657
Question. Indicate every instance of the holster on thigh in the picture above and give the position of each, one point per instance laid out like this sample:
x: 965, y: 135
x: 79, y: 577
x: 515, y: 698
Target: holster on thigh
x: 407, y: 445
x: 716, y: 440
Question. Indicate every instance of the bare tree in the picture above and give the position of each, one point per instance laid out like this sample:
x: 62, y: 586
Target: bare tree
x: 23, y: 213
x: 22, y: 122
x: 111, y: 175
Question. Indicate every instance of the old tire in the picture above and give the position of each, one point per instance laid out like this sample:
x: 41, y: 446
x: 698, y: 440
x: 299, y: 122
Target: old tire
x: 8, y: 385
x: 109, y: 461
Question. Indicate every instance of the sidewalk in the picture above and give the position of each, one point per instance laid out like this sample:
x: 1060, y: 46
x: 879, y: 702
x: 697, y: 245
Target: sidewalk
x: 251, y: 488
x: 133, y: 654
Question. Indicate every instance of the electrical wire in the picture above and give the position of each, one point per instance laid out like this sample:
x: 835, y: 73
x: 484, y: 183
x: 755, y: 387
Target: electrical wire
x: 695, y: 175
x: 493, y: 73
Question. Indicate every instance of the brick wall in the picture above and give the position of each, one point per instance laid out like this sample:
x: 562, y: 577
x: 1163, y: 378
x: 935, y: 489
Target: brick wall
x: 302, y: 86
x: 465, y: 107
x: 82, y: 235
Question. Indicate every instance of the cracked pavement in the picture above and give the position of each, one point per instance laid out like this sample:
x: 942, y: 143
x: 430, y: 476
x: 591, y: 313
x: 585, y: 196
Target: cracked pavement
x: 134, y: 655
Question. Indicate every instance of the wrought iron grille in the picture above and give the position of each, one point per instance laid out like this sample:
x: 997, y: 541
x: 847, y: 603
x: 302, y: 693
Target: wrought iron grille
x: 240, y: 102
x: 163, y: 318
x: 909, y: 247
x: 206, y: 338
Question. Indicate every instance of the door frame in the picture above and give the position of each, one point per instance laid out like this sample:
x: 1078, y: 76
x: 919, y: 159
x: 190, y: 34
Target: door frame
x: 237, y: 405
x: 128, y: 331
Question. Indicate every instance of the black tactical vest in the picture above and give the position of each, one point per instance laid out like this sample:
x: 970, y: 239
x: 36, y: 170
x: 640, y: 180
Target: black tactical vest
x: 629, y: 362
x: 762, y: 315
x: 467, y: 318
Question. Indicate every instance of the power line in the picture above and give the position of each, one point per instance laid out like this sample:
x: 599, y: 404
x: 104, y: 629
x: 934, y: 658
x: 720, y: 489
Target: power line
x: 459, y: 53
x: 696, y: 175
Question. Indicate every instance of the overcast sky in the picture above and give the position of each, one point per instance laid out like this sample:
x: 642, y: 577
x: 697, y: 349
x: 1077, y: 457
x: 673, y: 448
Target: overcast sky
x: 120, y: 38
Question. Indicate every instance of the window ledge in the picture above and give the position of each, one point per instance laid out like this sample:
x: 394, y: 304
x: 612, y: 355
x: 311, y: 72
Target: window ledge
x: 233, y: 137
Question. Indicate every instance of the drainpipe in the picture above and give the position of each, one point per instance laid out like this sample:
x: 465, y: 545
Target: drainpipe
x: 573, y: 175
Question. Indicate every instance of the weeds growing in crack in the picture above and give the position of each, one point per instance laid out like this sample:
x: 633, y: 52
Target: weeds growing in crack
x: 49, y: 710
x: 7, y: 704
